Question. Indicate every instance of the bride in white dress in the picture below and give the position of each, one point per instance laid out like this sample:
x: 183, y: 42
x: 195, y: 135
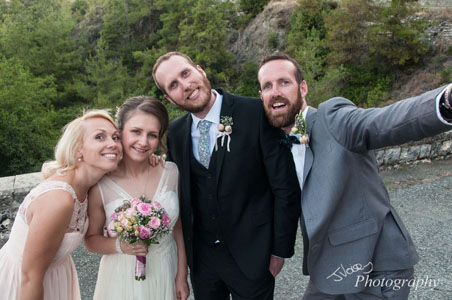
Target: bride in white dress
x: 142, y: 122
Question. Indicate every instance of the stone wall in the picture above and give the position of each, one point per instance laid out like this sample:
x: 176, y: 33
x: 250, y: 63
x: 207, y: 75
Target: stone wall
x: 12, y: 191
x: 437, y: 147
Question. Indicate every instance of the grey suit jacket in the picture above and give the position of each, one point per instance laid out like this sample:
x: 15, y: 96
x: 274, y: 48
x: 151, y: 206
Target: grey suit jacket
x: 351, y: 225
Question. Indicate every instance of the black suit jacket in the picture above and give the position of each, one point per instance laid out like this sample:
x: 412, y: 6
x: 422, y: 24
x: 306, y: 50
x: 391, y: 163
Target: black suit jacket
x: 257, y: 189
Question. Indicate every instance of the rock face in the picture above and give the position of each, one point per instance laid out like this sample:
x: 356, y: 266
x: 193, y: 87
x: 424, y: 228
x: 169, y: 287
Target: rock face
x: 265, y: 31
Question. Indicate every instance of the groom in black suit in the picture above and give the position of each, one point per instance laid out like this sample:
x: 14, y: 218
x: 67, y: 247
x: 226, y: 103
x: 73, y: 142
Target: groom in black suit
x: 239, y: 195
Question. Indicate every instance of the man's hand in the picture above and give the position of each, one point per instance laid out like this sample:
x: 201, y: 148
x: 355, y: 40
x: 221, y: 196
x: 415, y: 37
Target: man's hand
x: 155, y: 160
x: 276, y: 264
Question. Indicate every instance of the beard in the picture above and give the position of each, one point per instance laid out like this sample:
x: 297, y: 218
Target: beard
x: 282, y: 120
x: 199, y: 105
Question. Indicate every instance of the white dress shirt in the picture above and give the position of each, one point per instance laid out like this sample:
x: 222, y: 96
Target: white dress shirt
x: 212, y: 116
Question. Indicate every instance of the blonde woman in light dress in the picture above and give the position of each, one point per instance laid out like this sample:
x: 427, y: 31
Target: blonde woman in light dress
x: 36, y: 261
x: 142, y: 122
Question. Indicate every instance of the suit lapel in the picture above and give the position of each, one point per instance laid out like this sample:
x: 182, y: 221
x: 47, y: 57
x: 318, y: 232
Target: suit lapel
x: 187, y: 147
x: 226, y: 110
x: 309, y: 156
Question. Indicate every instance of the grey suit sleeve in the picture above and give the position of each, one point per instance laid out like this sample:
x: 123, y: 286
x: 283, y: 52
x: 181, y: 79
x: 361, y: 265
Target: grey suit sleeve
x: 360, y: 130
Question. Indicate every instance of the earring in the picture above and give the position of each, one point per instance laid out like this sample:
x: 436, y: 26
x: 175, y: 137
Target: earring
x: 80, y: 158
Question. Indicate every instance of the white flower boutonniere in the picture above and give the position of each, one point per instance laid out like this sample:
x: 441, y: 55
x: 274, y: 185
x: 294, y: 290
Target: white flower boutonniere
x: 300, y: 127
x: 224, y: 130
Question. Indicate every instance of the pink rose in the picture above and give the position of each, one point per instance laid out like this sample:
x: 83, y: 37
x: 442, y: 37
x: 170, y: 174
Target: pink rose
x: 165, y: 219
x: 135, y: 201
x: 130, y: 212
x: 115, y: 217
x: 145, y: 232
x: 154, y: 222
x: 156, y: 205
x: 144, y: 208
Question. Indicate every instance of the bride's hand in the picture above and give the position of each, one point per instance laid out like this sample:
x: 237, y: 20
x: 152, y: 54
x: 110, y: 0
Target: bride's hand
x: 182, y: 290
x: 137, y: 249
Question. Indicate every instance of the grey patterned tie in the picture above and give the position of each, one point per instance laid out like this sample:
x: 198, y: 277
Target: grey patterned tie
x: 204, y: 143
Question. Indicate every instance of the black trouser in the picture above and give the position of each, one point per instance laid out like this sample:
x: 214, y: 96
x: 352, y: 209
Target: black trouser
x: 216, y: 276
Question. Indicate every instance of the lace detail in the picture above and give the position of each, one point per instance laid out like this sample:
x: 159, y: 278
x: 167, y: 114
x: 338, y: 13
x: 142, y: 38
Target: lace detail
x: 79, y: 214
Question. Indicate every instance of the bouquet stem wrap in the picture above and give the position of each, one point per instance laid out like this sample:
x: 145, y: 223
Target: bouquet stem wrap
x: 139, y: 220
x: 140, y: 268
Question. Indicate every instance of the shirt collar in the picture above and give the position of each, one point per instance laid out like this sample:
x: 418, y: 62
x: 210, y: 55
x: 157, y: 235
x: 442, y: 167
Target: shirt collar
x: 213, y: 115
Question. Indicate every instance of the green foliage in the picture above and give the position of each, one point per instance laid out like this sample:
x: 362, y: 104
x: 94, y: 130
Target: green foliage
x: 273, y: 40
x: 80, y: 6
x: 128, y: 26
x: 331, y: 84
x: 380, y: 92
x: 310, y: 54
x: 40, y: 36
x: 26, y: 132
x: 252, y: 7
x: 394, y: 37
x: 347, y: 31
x: 305, y: 43
x: 307, y: 16
x: 203, y: 37
x: 106, y: 83
x: 371, y: 40
x: 446, y: 74
x: 247, y: 81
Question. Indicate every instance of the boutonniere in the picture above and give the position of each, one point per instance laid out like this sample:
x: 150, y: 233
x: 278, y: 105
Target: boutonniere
x: 224, y: 130
x: 300, y: 127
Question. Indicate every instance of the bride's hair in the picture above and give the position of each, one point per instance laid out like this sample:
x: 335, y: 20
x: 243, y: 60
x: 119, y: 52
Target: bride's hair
x: 147, y: 105
x: 70, y: 142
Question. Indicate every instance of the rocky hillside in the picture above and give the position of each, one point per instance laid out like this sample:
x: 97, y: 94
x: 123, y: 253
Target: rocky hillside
x: 253, y: 42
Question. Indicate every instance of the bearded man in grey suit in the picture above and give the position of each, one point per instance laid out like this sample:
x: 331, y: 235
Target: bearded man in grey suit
x: 355, y: 244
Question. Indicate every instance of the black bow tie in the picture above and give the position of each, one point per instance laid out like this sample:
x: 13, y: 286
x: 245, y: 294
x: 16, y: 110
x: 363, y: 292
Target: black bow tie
x: 288, y: 140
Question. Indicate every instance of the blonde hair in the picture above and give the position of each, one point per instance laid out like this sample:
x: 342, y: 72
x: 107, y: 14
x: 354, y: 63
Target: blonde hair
x: 70, y: 142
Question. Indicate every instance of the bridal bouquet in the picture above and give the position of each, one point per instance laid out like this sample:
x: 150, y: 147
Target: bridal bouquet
x: 139, y: 219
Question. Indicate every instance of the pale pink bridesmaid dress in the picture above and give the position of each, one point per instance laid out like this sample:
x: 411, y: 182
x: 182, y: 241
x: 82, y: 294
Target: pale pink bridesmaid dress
x: 60, y: 281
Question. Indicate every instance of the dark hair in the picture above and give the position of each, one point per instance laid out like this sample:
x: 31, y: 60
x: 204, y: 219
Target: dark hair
x: 283, y: 56
x: 146, y: 105
x: 167, y: 56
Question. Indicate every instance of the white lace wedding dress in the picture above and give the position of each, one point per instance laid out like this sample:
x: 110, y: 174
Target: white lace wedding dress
x: 60, y: 280
x: 116, y: 278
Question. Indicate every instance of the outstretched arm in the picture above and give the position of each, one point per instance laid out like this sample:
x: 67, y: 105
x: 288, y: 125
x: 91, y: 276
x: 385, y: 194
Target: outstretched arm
x: 360, y: 130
